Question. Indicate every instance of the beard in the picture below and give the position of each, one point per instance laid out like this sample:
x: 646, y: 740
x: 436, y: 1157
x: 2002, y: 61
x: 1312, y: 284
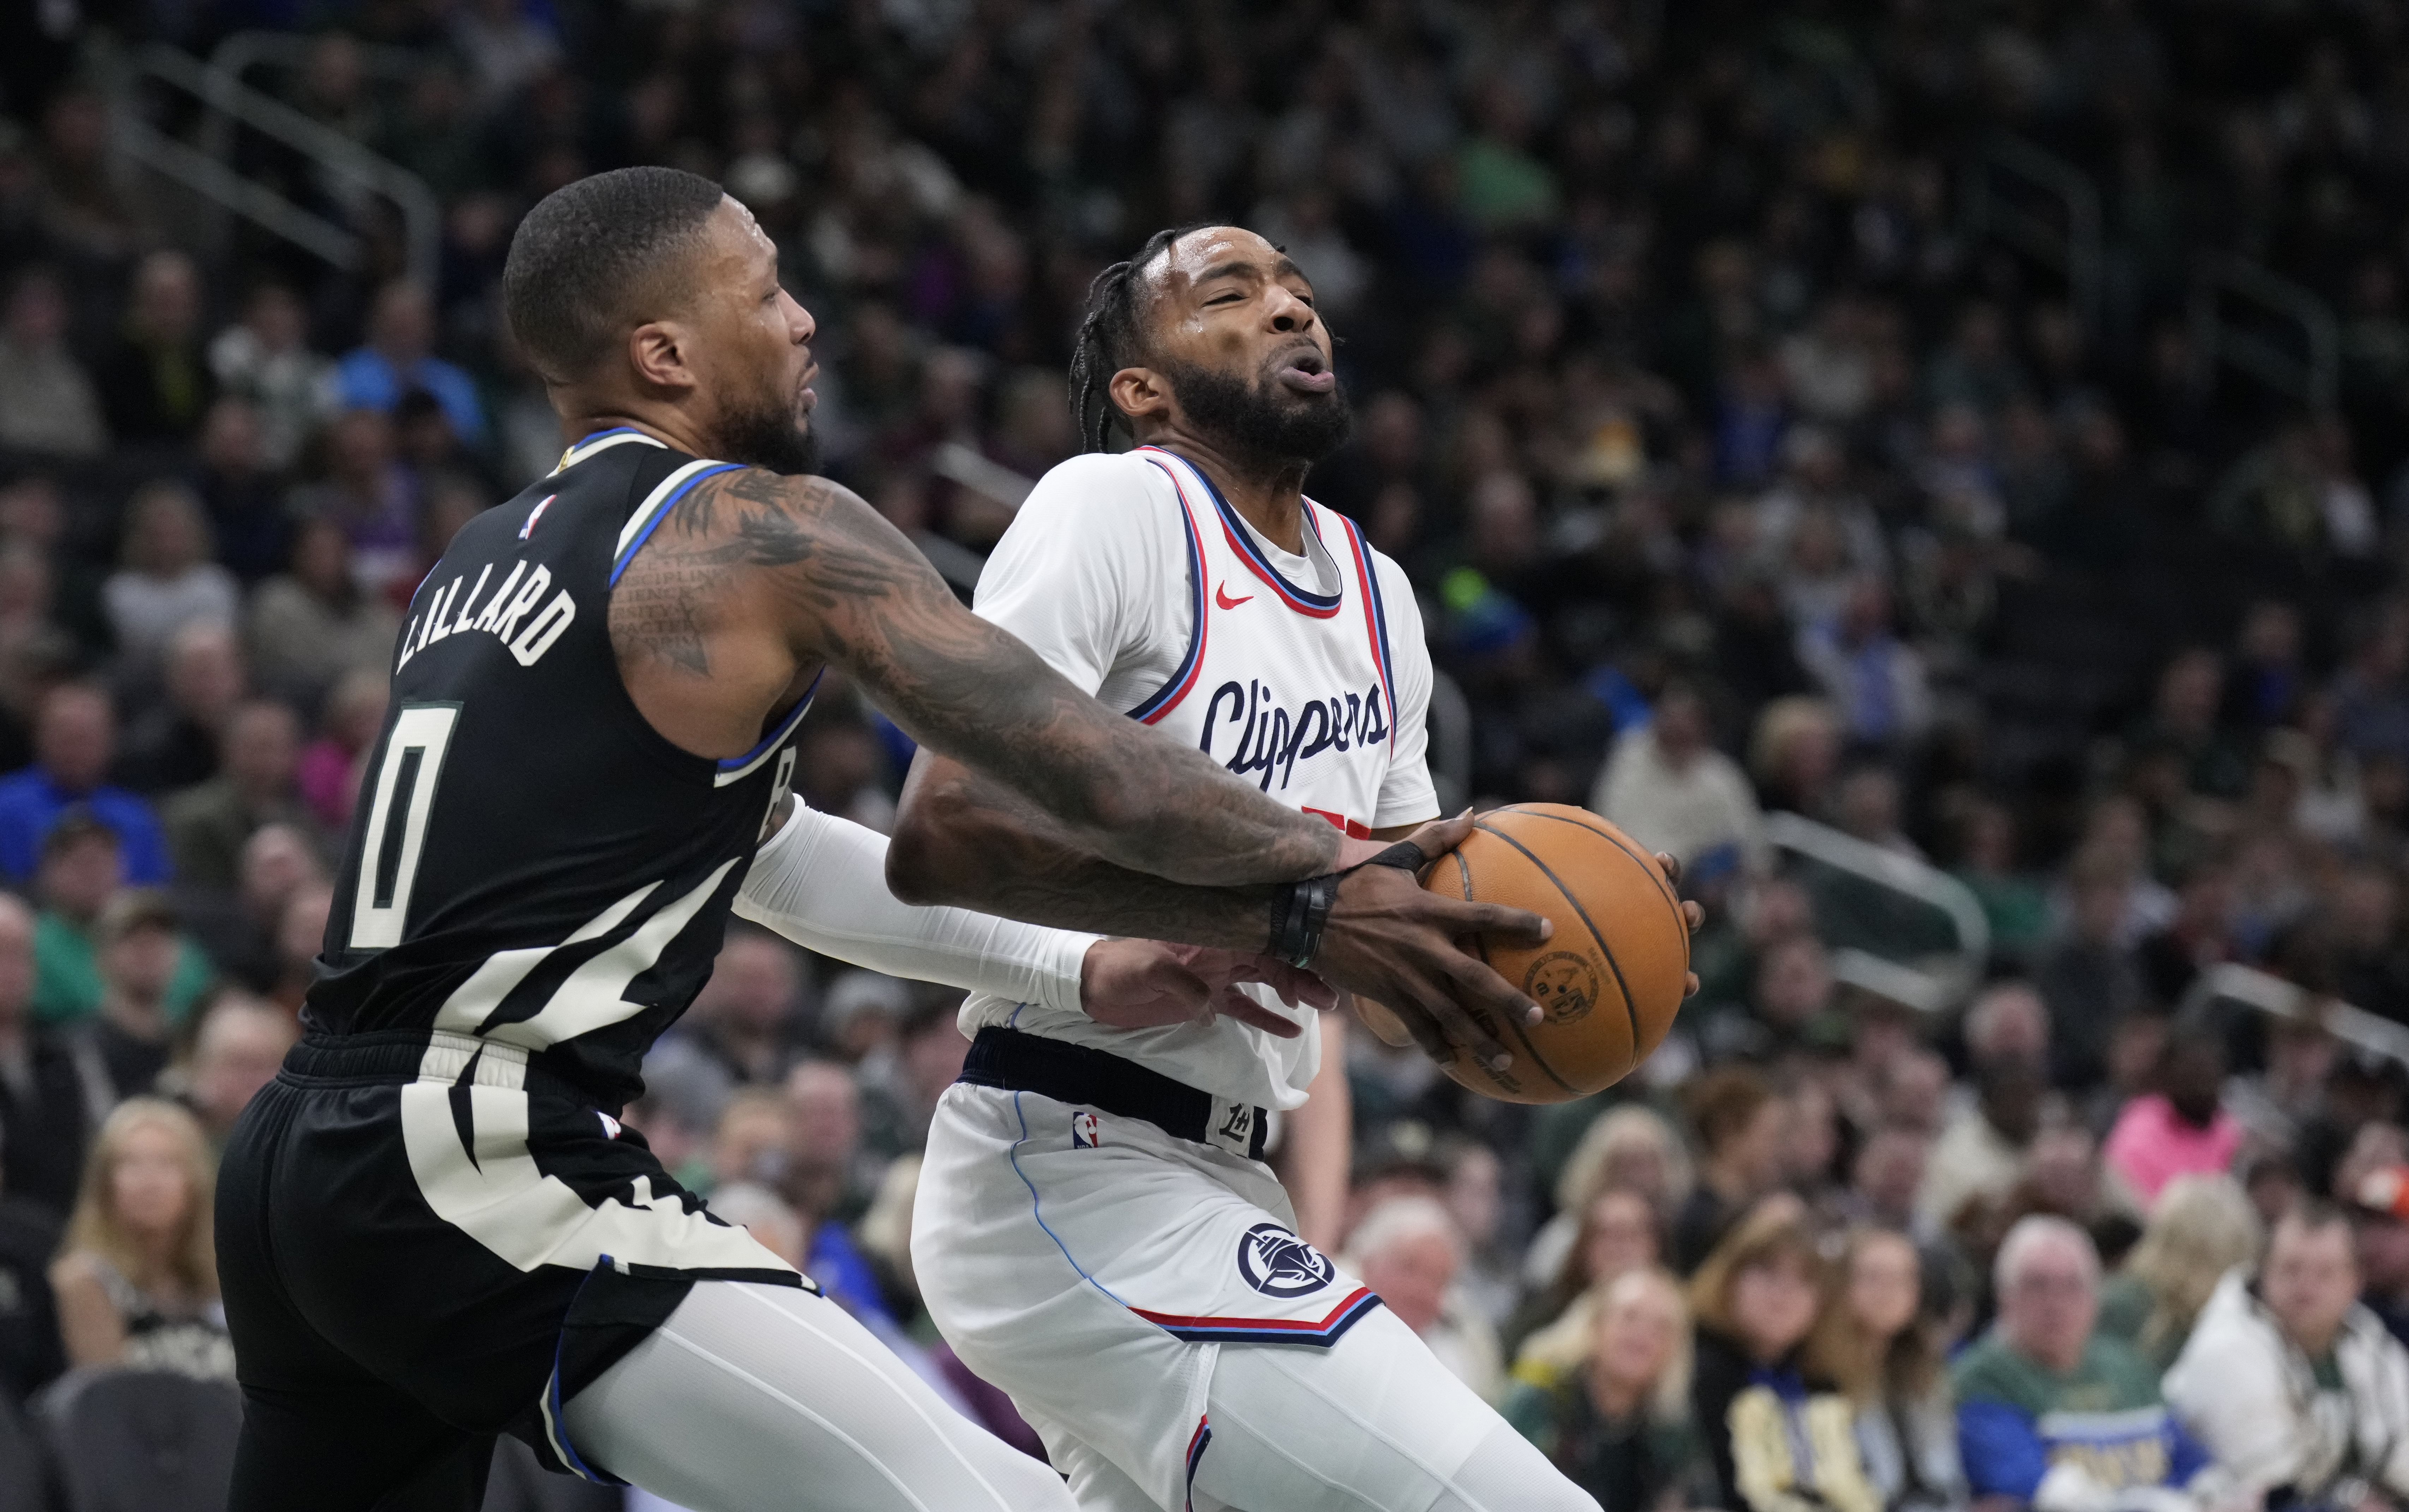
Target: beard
x: 1258, y: 424
x: 772, y: 439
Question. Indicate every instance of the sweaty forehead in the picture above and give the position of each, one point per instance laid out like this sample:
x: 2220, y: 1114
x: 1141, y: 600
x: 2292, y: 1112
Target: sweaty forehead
x: 1200, y: 251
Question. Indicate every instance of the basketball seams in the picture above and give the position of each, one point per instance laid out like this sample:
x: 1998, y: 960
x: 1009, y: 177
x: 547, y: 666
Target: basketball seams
x: 1648, y: 863
x: 1463, y: 872
x: 1630, y: 1008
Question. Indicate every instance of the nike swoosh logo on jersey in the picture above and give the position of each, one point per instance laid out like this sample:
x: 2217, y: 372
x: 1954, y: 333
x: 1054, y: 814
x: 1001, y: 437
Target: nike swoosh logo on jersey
x: 1221, y: 597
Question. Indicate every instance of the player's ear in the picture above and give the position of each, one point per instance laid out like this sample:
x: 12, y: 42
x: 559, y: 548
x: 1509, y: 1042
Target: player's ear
x: 1139, y: 391
x: 658, y: 350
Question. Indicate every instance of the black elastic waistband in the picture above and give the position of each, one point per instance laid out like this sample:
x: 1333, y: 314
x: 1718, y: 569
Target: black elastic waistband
x: 1013, y: 1061
x: 390, y: 1056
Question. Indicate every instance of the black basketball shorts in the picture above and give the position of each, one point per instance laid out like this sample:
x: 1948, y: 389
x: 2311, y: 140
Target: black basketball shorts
x: 424, y: 1240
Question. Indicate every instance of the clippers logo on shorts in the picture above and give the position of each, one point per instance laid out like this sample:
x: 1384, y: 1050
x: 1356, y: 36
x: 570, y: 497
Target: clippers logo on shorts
x: 1277, y: 1264
x: 1087, y: 1132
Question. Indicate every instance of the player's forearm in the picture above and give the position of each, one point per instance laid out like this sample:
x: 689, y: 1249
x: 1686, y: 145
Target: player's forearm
x: 963, y: 839
x: 819, y: 882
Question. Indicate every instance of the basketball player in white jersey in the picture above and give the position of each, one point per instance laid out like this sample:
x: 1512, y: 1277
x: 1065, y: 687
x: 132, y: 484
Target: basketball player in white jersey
x: 1096, y: 1231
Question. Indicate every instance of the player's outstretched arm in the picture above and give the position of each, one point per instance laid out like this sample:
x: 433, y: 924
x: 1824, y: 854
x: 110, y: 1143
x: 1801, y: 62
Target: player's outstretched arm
x: 844, y: 586
x: 961, y: 839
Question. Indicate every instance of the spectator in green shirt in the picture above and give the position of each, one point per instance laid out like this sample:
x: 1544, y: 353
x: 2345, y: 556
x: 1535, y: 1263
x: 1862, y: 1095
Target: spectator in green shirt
x: 1617, y: 1421
x: 81, y: 869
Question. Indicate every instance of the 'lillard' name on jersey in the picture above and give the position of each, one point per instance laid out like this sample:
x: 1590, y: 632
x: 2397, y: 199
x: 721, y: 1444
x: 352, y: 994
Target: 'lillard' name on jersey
x: 531, y: 862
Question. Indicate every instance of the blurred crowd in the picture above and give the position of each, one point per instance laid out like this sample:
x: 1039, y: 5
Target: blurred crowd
x: 1742, y: 471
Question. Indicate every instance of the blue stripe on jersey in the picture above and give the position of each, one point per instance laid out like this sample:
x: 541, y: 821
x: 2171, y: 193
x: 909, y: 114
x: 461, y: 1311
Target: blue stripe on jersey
x: 660, y: 512
x: 1180, y: 680
x: 734, y: 768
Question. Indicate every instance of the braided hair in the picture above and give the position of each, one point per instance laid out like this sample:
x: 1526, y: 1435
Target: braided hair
x: 1109, y: 340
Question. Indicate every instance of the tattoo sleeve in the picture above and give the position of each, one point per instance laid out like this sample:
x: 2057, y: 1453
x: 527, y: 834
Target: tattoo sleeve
x: 965, y: 839
x: 852, y: 591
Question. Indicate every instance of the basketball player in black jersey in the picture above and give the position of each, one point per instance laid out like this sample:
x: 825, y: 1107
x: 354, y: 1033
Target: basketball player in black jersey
x: 431, y: 1227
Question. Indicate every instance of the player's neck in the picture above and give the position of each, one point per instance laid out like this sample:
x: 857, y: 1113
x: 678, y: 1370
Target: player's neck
x: 1270, y: 496
x: 672, y: 428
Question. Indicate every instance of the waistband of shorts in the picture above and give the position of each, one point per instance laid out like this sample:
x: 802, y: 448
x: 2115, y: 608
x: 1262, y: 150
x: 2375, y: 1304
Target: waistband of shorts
x: 1013, y: 1062
x: 392, y: 1056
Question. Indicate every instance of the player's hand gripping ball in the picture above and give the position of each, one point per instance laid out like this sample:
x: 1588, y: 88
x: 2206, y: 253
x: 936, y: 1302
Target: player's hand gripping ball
x: 1608, y: 980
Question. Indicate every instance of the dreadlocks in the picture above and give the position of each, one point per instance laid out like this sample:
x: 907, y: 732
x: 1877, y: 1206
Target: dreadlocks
x: 1109, y: 338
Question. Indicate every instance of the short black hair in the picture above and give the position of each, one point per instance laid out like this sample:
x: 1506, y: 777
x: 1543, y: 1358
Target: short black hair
x: 586, y: 250
x: 1109, y: 340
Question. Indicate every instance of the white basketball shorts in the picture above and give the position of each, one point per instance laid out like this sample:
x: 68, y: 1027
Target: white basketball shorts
x: 1102, y: 1272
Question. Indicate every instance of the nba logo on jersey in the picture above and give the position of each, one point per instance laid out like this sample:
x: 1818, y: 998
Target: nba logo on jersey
x: 537, y: 513
x: 1086, y: 1132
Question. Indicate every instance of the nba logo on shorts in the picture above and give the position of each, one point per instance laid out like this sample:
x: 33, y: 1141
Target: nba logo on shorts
x: 1086, y: 1132
x: 1277, y: 1264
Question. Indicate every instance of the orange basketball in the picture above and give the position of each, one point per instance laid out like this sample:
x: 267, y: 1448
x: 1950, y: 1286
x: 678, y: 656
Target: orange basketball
x: 1609, y: 978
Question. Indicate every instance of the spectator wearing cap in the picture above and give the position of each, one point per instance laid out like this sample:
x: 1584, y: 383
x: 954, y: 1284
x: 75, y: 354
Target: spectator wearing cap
x: 208, y: 824
x: 82, y: 875
x: 75, y: 740
x: 1410, y: 1250
x: 2378, y: 1199
x: 43, y: 1117
x: 1668, y: 787
x: 399, y: 357
x: 2295, y: 1386
x: 142, y: 960
x: 2052, y: 1415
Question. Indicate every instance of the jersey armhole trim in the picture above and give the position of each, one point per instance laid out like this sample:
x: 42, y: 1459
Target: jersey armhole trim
x: 1167, y: 697
x: 1376, y: 619
x: 736, y: 769
x: 655, y: 507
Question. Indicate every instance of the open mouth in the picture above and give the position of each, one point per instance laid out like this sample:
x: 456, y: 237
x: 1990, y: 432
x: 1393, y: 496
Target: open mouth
x: 1307, y: 371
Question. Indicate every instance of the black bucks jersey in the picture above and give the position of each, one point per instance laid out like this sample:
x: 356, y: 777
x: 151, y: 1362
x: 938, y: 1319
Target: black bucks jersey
x: 530, y: 863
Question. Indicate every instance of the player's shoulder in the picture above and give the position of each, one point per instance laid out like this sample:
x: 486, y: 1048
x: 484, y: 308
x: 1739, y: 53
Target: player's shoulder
x: 1099, y: 480
x: 1099, y: 497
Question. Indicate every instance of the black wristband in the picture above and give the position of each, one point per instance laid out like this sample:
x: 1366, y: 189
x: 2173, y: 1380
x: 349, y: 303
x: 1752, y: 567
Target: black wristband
x: 1404, y: 856
x: 1298, y: 911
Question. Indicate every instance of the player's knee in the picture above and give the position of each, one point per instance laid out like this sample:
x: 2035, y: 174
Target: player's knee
x: 1506, y: 1473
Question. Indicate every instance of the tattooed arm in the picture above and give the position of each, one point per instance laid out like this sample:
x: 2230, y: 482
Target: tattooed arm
x: 755, y: 578
x: 969, y: 841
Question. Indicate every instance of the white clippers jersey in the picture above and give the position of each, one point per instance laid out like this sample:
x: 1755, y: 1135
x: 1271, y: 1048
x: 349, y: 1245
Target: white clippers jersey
x: 1306, y: 675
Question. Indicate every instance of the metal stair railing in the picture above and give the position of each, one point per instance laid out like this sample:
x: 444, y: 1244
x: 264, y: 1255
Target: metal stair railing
x: 2313, y: 375
x: 1934, y: 982
x: 242, y: 51
x: 144, y: 144
x: 421, y: 215
x: 2270, y: 994
x: 2076, y: 250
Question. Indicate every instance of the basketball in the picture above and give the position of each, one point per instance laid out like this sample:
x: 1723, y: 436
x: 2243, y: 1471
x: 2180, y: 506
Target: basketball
x: 1611, y: 977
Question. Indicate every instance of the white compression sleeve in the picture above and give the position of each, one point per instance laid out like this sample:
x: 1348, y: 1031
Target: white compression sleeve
x: 821, y: 882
